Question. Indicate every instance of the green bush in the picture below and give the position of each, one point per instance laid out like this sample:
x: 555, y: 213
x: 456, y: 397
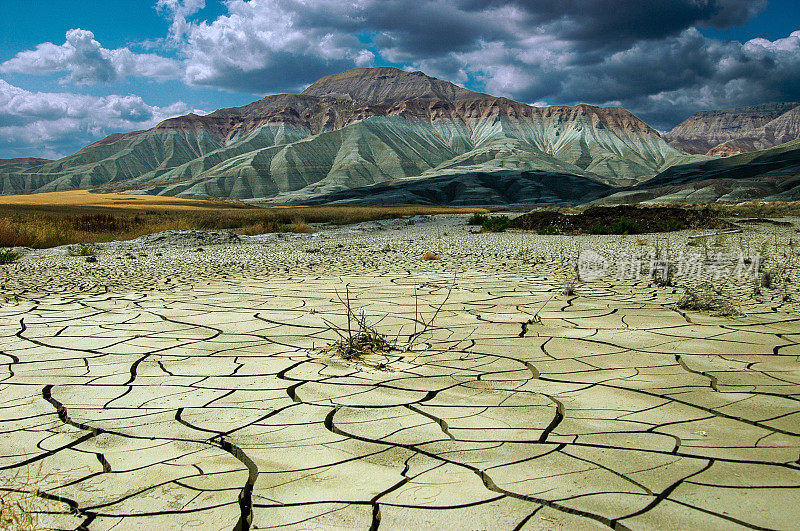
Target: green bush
x: 622, y: 226
x: 495, y: 224
x: 549, y: 230
x: 8, y: 256
x: 83, y: 250
x: 674, y: 224
x: 477, y: 219
x: 625, y: 226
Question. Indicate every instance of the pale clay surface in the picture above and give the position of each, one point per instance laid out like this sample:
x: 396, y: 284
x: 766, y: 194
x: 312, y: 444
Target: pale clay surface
x: 170, y: 387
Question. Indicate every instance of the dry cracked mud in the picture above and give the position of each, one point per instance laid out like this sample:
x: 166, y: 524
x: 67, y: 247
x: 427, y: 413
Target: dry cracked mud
x: 213, y: 402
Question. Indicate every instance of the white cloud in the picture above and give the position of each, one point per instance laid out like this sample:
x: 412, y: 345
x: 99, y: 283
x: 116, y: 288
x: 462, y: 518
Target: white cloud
x: 179, y: 11
x: 578, y: 50
x: 266, y: 45
x: 87, y: 62
x: 59, y: 123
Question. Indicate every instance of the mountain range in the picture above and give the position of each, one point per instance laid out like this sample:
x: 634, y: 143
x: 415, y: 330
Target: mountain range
x: 387, y: 135
x: 357, y: 128
x: 735, y: 131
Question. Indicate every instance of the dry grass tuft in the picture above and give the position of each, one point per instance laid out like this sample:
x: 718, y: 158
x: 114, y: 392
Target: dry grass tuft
x: 706, y: 299
x: 300, y: 227
x: 20, y: 504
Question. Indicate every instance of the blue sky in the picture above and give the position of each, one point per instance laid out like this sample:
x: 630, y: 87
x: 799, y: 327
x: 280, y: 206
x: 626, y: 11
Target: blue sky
x: 72, y: 72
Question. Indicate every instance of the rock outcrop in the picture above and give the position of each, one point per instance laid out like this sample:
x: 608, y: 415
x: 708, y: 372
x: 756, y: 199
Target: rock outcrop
x: 386, y: 85
x: 734, y: 131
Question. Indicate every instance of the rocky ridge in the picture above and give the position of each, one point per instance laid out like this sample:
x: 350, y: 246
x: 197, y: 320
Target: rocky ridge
x: 735, y: 131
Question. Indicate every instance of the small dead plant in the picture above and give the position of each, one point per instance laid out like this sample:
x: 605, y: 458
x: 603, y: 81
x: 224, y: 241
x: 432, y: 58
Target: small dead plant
x: 535, y: 319
x: 360, y: 338
x: 20, y: 504
x: 706, y: 299
x: 568, y: 288
x: 664, y: 276
x: 418, y: 318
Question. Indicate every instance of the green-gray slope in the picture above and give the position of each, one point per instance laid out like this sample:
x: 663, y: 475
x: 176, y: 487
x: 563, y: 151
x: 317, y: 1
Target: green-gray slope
x: 474, y: 188
x: 770, y: 174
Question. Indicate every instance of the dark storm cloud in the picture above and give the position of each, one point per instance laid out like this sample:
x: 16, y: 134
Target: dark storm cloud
x: 624, y: 21
x: 667, y: 80
x: 644, y: 54
x: 647, y: 55
x: 284, y: 72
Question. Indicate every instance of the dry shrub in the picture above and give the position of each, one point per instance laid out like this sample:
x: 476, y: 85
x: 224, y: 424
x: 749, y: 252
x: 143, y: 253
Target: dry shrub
x: 664, y: 276
x: 568, y: 288
x: 299, y: 226
x: 705, y: 299
x: 363, y: 342
x: 430, y: 256
x: 360, y: 338
x: 766, y: 279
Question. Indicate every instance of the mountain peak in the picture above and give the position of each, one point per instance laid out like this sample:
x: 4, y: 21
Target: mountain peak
x: 387, y: 85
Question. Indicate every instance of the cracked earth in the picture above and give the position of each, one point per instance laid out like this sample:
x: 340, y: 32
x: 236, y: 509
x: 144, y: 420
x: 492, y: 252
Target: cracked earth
x: 214, y: 401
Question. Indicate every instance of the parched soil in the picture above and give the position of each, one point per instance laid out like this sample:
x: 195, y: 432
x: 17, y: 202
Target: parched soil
x: 184, y: 380
x: 620, y: 220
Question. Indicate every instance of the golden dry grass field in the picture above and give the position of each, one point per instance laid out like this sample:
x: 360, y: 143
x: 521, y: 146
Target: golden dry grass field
x: 80, y: 216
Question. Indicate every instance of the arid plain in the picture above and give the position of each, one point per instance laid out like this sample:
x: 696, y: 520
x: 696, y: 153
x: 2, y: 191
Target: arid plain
x: 189, y: 378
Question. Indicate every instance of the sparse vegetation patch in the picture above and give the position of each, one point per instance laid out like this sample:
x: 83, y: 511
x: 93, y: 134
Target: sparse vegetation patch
x: 495, y: 224
x: 83, y: 250
x: 477, y: 219
x: 360, y: 338
x: 619, y: 220
x: 705, y: 298
x: 8, y: 256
